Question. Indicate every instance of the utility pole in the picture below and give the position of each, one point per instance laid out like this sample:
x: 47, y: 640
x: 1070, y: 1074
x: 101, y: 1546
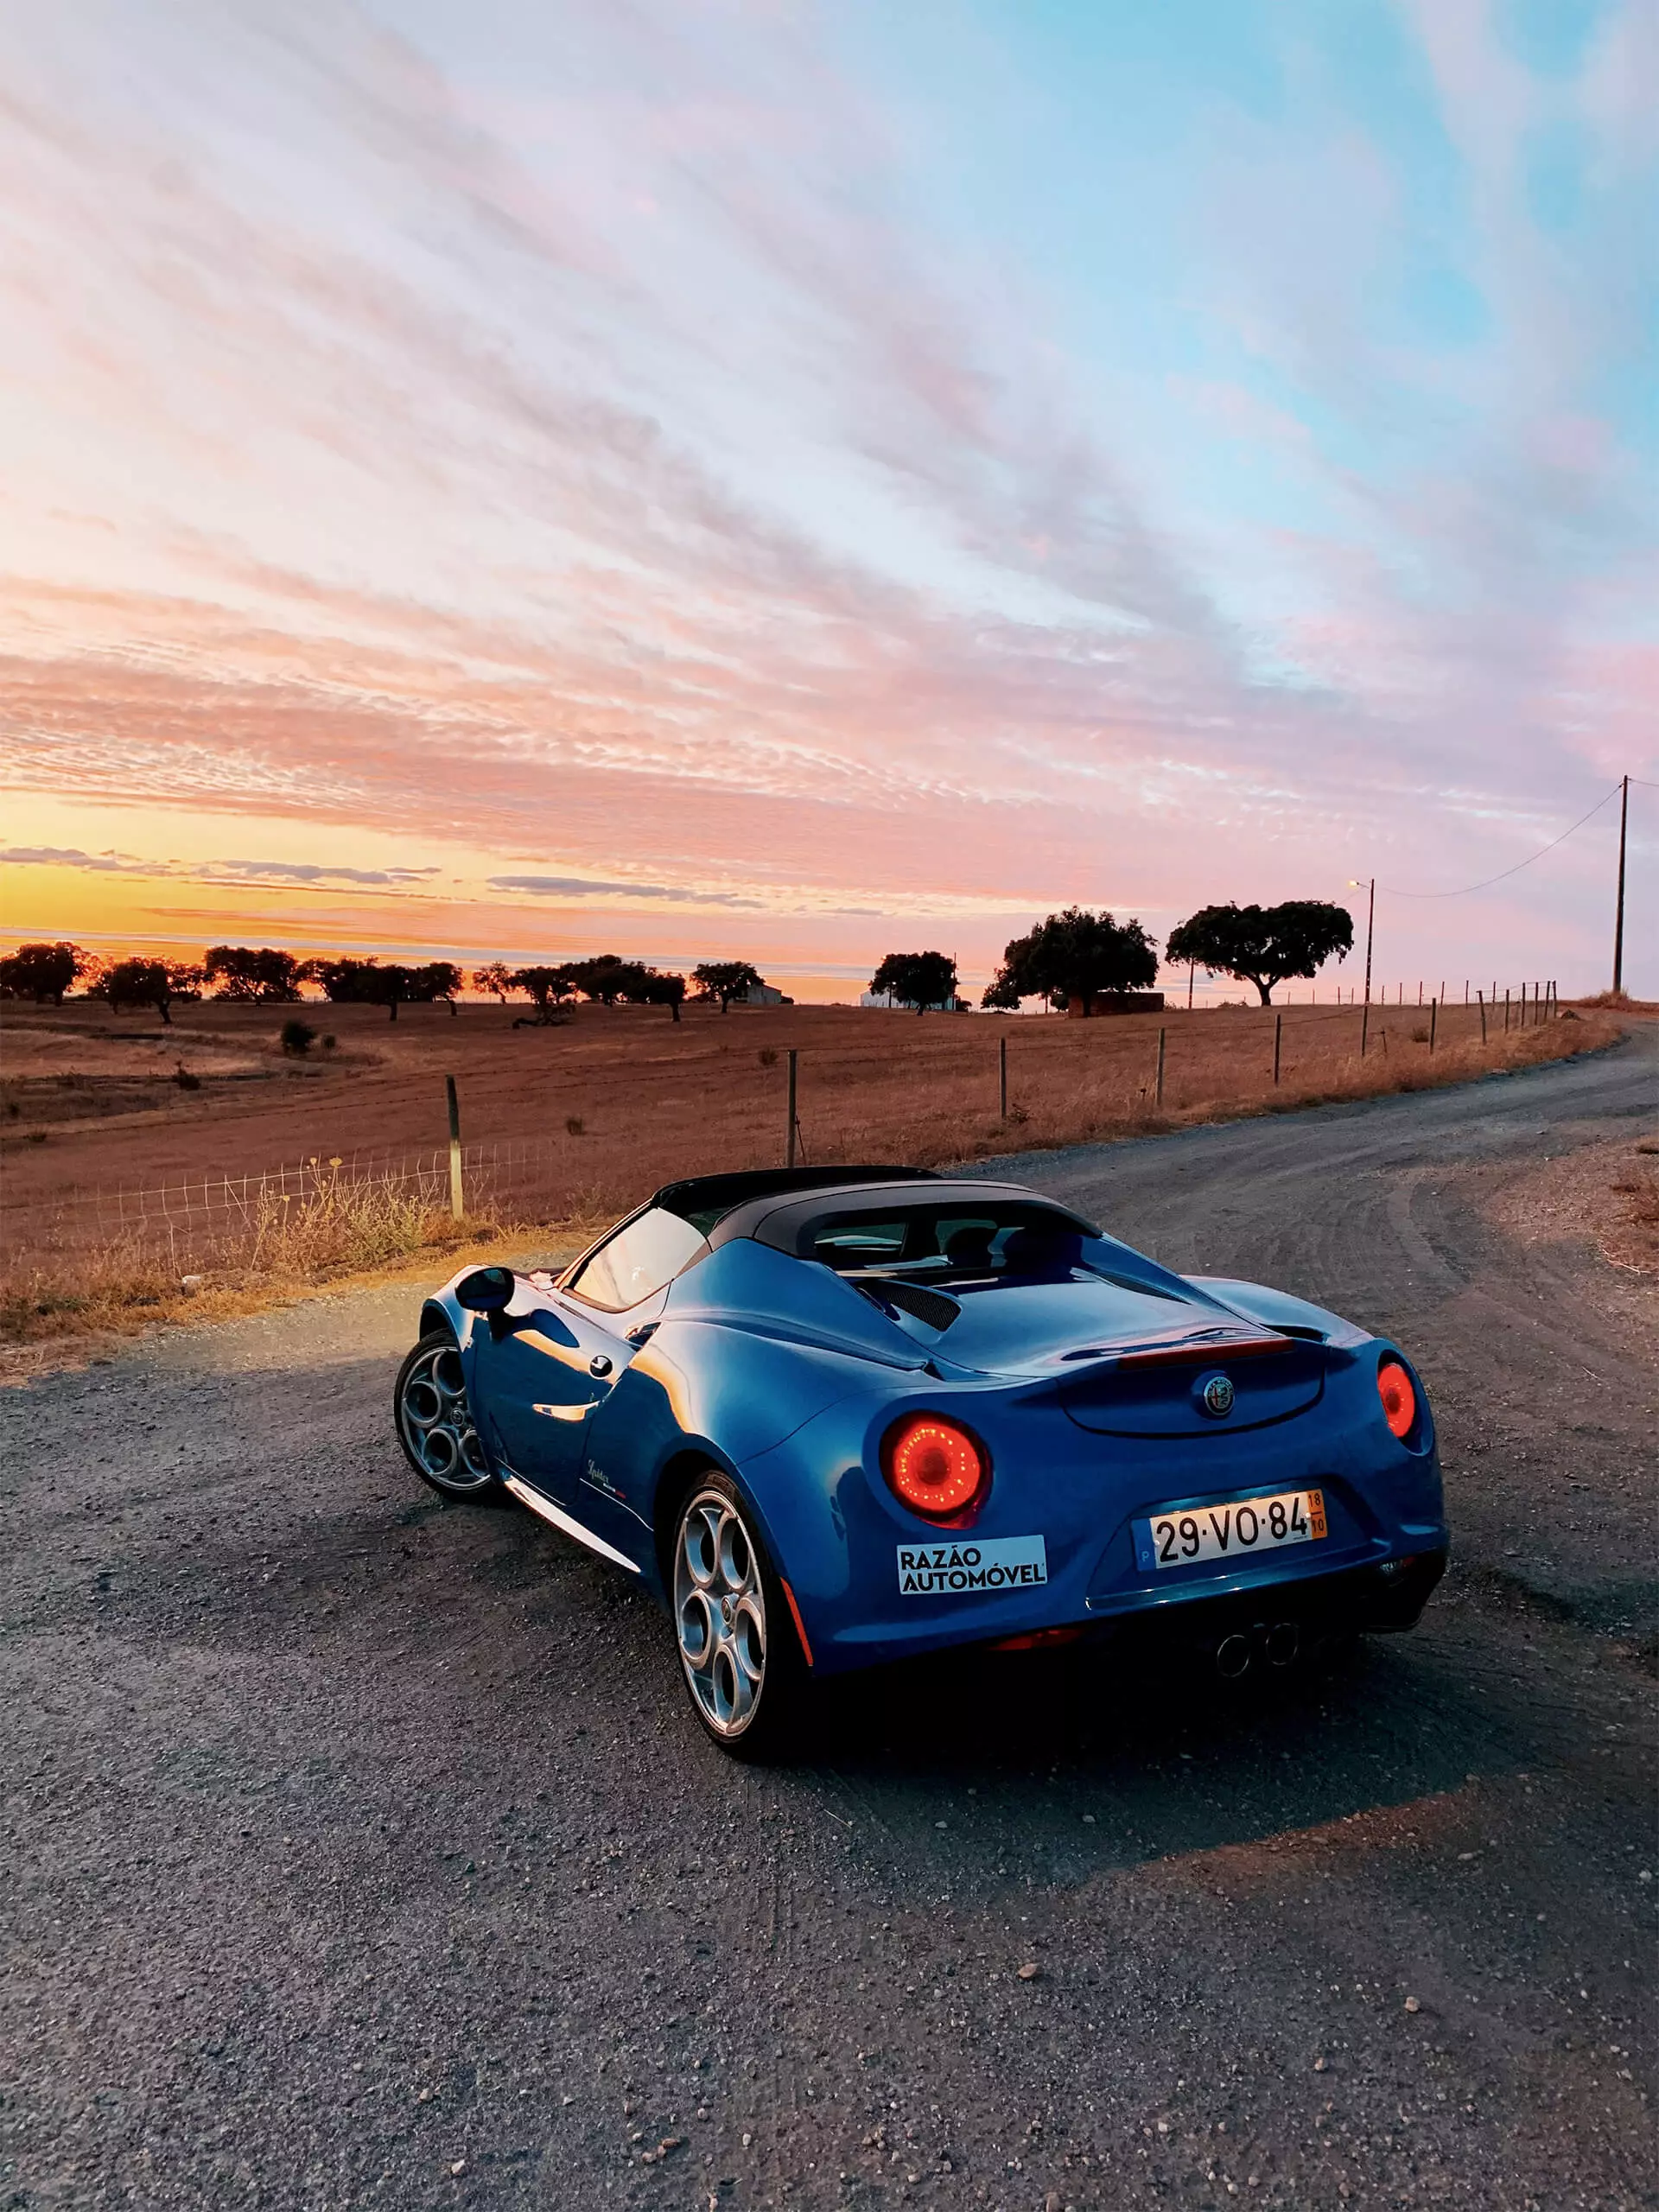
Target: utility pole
x: 1618, y: 910
x: 1370, y: 923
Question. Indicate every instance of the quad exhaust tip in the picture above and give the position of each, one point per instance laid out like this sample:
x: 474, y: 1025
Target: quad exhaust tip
x: 1278, y: 1645
x: 1282, y: 1643
x: 1233, y: 1656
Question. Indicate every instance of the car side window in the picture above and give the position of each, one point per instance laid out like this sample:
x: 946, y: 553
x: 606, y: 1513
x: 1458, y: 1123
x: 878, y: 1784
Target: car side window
x: 638, y: 1260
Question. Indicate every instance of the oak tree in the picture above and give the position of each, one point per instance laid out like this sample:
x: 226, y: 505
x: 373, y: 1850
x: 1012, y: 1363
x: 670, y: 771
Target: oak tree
x: 725, y: 980
x: 43, y: 971
x: 1264, y: 945
x: 262, y: 974
x: 917, y: 979
x: 1076, y: 955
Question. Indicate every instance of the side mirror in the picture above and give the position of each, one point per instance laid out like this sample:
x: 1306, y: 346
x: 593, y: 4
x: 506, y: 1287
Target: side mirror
x: 487, y: 1290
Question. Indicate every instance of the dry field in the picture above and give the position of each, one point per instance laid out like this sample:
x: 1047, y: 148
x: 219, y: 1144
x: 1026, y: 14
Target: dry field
x: 597, y: 1111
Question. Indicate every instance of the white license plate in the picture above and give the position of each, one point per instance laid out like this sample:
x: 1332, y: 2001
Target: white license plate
x: 1243, y: 1527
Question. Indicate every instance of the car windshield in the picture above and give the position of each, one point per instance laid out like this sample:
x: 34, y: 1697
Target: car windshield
x: 642, y: 1256
x: 946, y: 1241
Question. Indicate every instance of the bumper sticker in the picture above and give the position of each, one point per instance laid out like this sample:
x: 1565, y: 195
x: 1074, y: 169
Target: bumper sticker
x: 950, y: 1570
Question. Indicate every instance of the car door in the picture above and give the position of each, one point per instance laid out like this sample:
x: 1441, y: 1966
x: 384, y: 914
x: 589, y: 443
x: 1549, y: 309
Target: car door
x: 544, y: 1371
x: 542, y: 1367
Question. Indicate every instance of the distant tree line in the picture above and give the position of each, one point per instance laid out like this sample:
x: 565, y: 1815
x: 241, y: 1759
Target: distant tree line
x: 1075, y: 956
x: 268, y: 975
x: 1083, y: 957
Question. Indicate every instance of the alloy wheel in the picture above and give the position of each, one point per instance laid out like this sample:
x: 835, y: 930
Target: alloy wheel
x: 437, y: 1423
x: 720, y: 1612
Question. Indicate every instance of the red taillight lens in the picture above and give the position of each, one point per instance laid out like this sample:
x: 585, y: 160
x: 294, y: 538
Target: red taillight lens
x: 933, y: 1467
x: 1399, y: 1399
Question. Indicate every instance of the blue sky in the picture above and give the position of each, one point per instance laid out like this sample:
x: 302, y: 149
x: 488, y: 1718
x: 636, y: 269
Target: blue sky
x: 847, y: 472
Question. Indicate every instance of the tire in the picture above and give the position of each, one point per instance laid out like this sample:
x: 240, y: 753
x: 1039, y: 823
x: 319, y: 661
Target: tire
x: 435, y: 1424
x: 740, y: 1656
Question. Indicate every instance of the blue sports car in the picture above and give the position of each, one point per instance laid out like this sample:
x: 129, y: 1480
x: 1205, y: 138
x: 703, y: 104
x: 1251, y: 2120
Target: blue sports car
x: 832, y: 1417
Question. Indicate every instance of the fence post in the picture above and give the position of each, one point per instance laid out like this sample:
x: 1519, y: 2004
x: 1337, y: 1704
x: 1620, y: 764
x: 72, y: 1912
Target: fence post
x: 1434, y: 1018
x: 789, y: 1154
x: 1364, y: 1028
x: 1158, y: 1090
x: 456, y: 1206
x: 1506, y: 1009
x: 1278, y: 1029
x: 1002, y: 1076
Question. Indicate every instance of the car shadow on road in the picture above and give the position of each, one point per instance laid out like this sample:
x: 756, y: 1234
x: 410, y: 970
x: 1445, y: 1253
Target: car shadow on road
x: 1061, y: 1762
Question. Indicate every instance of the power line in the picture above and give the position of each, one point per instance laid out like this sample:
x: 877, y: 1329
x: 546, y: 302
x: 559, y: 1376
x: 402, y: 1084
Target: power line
x: 1466, y: 888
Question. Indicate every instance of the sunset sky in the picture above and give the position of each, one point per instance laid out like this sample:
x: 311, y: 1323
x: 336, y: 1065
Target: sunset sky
x: 795, y: 482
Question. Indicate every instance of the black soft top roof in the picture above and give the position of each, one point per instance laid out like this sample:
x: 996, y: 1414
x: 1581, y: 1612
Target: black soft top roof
x: 786, y: 1220
x: 705, y: 1194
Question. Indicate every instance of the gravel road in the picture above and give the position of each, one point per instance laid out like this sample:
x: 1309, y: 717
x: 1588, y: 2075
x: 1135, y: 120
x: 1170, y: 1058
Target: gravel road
x: 361, y: 1852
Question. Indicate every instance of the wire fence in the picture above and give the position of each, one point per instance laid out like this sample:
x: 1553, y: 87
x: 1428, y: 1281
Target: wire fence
x: 199, y: 1217
x: 200, y: 1220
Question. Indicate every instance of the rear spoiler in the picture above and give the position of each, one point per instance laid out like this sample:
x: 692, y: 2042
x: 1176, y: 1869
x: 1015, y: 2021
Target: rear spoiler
x: 1212, y: 1348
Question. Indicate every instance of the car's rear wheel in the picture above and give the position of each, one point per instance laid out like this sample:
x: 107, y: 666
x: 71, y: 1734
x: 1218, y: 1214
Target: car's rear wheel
x: 434, y: 1423
x: 738, y: 1651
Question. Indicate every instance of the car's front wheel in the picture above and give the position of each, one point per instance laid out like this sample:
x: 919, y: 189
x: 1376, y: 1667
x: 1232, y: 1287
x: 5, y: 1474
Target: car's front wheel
x: 434, y: 1423
x: 738, y: 1651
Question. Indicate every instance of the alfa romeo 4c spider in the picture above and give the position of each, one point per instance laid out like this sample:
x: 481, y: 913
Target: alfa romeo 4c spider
x: 832, y: 1418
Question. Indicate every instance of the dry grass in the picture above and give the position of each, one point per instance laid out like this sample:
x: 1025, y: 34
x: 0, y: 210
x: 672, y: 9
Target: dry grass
x: 125, y: 1284
x: 623, y: 1101
x: 1604, y: 1195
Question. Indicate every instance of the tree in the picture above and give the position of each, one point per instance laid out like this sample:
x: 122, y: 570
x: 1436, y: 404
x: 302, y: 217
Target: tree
x: 725, y: 980
x: 1001, y: 997
x: 917, y: 979
x: 495, y: 977
x: 608, y: 978
x: 435, y: 984
x: 43, y: 971
x: 152, y: 982
x: 1264, y: 945
x: 662, y: 990
x: 360, y: 982
x: 1076, y: 954
x: 547, y: 986
x: 262, y: 974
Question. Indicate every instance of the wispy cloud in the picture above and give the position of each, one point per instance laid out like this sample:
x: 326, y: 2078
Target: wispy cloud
x: 570, y: 887
x: 290, y: 873
x: 71, y: 856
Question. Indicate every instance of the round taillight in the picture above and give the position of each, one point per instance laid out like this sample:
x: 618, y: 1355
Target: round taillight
x: 933, y: 1467
x: 1399, y: 1399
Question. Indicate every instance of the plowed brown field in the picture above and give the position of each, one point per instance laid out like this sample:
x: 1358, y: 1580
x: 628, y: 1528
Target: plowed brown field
x: 90, y: 1100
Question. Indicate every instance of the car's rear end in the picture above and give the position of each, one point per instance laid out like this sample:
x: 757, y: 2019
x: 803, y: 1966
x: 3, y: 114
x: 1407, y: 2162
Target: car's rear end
x: 1096, y: 1446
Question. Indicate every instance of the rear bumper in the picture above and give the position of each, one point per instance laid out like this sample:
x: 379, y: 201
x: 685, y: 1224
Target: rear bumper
x: 1372, y: 1596
x: 1370, y: 1601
